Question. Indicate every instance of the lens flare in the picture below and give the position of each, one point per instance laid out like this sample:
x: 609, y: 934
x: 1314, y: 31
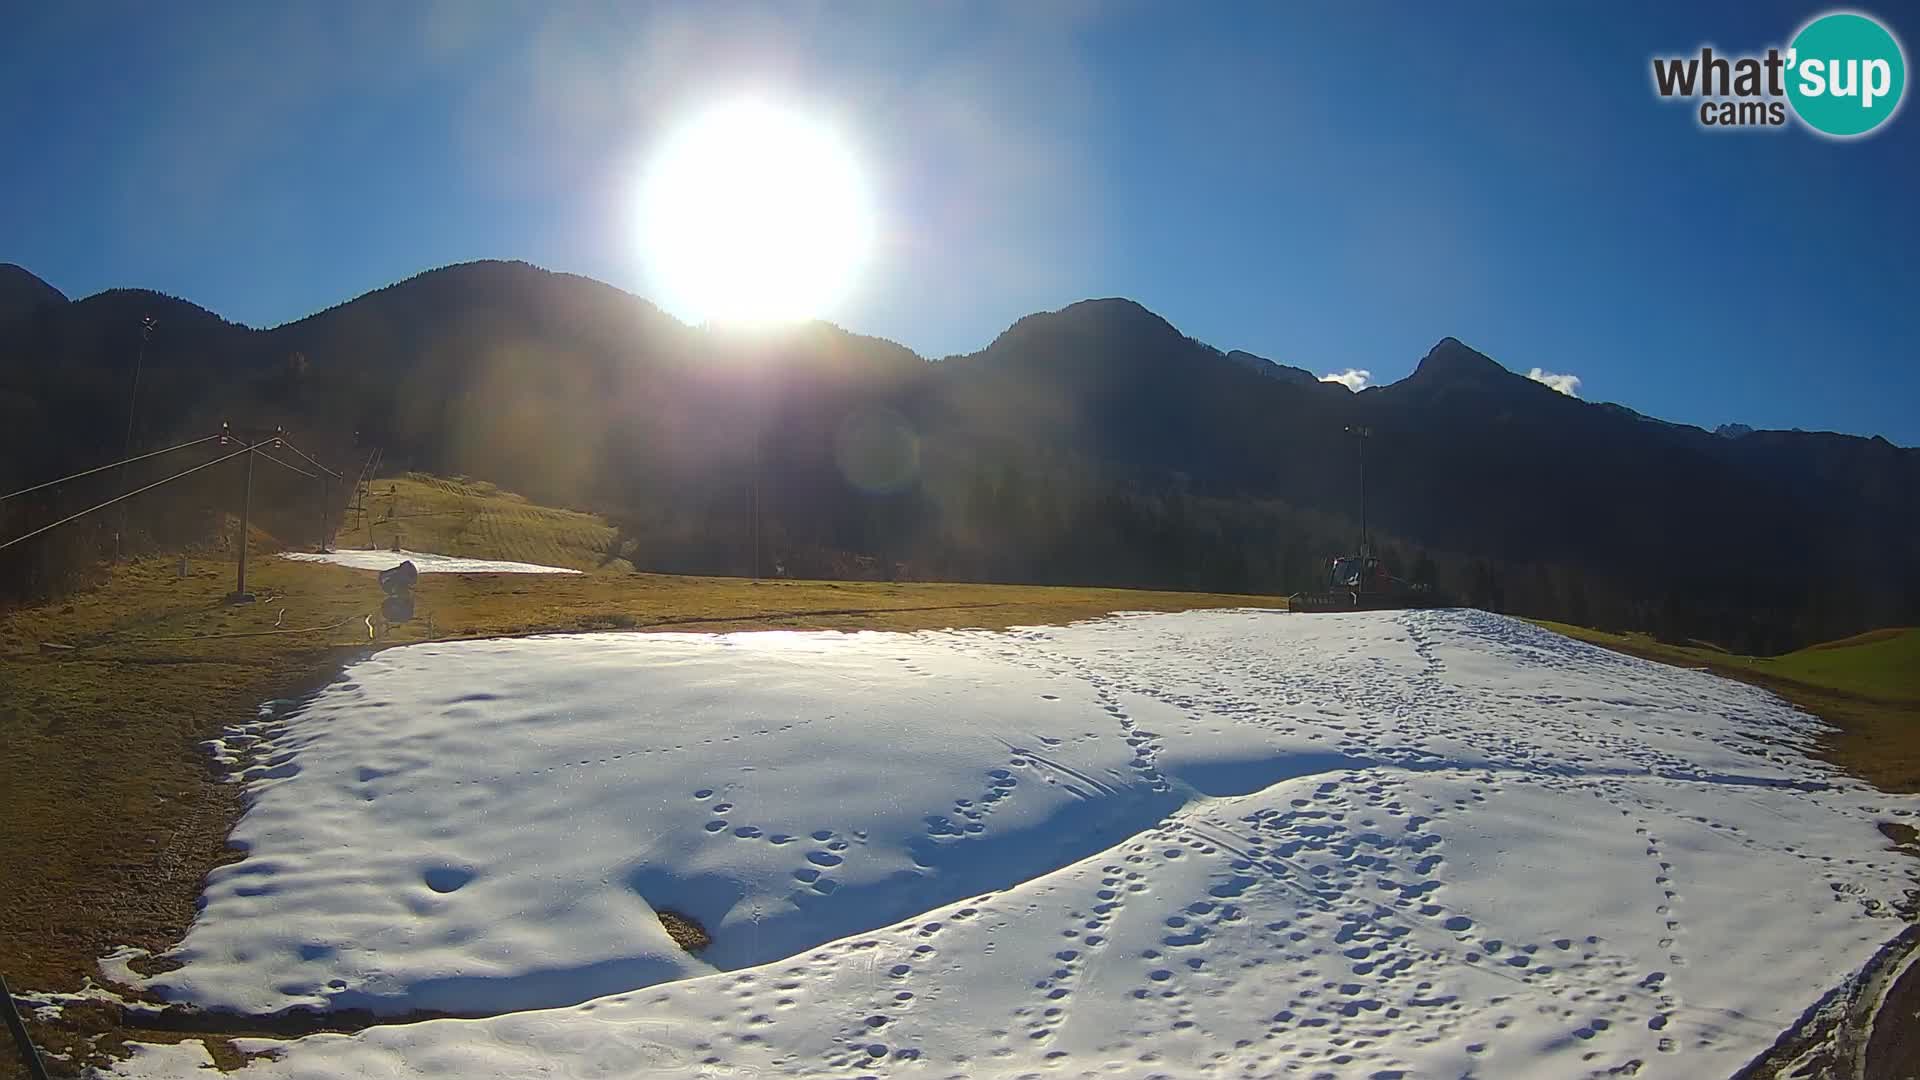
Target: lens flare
x: 877, y: 451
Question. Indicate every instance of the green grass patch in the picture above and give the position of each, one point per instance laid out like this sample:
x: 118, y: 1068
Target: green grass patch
x: 1866, y: 686
x: 1883, y: 663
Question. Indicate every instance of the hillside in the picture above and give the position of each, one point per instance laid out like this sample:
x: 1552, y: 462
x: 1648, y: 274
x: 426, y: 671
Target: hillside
x: 474, y: 519
x: 1094, y: 445
x: 151, y: 664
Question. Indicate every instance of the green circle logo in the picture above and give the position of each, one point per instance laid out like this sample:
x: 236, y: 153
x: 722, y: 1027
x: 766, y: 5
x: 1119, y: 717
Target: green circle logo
x: 1846, y: 74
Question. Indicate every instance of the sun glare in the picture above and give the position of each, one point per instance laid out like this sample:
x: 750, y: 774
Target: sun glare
x: 752, y: 213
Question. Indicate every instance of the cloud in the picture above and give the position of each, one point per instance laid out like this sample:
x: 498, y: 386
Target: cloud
x: 1356, y: 378
x: 1566, y: 384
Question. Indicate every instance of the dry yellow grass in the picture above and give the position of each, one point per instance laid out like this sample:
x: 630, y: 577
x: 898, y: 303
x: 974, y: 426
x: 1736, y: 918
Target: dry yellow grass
x: 475, y: 520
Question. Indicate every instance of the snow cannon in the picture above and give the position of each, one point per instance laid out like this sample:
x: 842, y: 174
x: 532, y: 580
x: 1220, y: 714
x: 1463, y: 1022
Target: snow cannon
x: 400, y: 578
x: 397, y: 583
x: 1362, y: 583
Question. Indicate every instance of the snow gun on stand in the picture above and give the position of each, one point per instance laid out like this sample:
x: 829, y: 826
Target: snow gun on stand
x: 1361, y: 582
x: 397, y: 583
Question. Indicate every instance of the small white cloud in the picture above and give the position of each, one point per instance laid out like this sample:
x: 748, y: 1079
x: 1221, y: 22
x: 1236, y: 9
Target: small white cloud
x: 1354, y: 378
x: 1566, y: 384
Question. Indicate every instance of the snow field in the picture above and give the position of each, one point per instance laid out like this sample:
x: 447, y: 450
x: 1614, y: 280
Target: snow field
x: 423, y: 561
x: 1221, y: 843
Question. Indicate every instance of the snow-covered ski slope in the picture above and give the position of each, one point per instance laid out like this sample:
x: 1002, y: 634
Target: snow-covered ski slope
x: 1231, y: 843
x: 426, y: 562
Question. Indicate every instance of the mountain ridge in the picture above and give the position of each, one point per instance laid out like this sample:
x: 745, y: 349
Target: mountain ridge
x: 1449, y: 357
x: 1092, y: 444
x: 22, y: 292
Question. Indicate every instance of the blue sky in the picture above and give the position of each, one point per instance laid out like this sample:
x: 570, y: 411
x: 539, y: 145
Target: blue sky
x: 1333, y: 186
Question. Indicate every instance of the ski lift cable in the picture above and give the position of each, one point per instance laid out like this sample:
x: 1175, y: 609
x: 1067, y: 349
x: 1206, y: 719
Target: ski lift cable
x: 286, y: 466
x: 128, y: 495
x: 104, y: 468
x: 309, y: 460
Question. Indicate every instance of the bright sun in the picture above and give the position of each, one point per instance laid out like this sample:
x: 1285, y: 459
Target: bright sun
x: 751, y: 213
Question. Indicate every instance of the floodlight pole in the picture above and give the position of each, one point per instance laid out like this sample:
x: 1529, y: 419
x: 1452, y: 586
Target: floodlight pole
x: 246, y: 506
x: 756, y: 500
x: 326, y: 494
x: 759, y: 376
x: 1362, y: 434
x: 133, y: 397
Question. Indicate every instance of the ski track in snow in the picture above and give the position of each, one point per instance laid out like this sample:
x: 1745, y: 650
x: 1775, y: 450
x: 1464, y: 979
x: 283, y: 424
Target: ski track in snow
x: 424, y: 561
x: 1212, y: 844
